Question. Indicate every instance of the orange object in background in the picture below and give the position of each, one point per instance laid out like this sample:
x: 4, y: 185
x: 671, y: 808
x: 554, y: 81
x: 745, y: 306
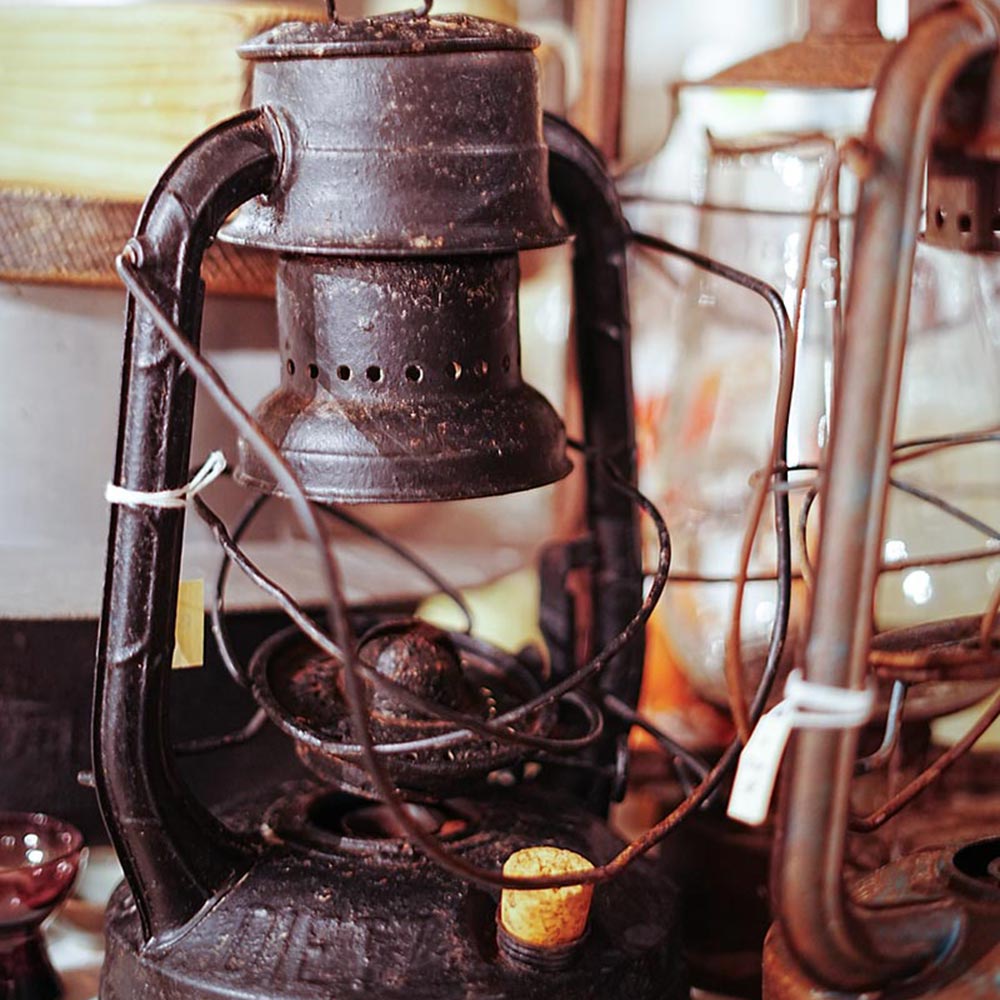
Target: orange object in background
x: 669, y: 702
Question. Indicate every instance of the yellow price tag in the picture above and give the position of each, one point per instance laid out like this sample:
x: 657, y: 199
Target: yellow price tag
x: 189, y: 633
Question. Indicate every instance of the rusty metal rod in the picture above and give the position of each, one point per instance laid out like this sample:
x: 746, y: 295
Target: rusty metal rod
x: 843, y: 18
x: 827, y: 934
x: 598, y: 112
x: 927, y: 777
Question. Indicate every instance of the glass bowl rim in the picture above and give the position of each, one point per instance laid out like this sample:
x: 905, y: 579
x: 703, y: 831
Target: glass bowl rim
x: 28, y: 821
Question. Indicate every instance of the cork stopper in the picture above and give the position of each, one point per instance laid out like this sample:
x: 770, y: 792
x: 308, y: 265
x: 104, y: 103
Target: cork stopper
x: 545, y: 918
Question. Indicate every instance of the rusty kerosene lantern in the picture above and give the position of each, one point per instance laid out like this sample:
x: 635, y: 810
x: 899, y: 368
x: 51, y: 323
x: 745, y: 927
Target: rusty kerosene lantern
x: 927, y: 924
x: 396, y: 166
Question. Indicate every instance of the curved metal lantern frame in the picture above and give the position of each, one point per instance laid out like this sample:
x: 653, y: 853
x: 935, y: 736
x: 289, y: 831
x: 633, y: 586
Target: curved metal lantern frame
x: 843, y: 945
x: 833, y: 940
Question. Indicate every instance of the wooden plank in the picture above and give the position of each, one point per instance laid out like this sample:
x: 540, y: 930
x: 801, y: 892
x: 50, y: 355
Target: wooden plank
x: 98, y: 99
x: 598, y: 112
x: 67, y: 240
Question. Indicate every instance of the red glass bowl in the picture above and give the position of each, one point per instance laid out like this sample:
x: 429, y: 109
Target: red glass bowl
x: 40, y: 858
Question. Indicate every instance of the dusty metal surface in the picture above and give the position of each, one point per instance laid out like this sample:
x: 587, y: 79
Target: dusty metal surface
x: 386, y: 36
x: 302, y: 691
x: 423, y: 659
x: 401, y: 381
x: 336, y: 906
x: 386, y: 154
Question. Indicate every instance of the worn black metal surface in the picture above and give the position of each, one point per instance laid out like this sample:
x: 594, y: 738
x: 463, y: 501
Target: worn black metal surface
x: 433, y: 153
x: 386, y: 36
x: 423, y: 659
x: 369, y: 919
x: 401, y: 381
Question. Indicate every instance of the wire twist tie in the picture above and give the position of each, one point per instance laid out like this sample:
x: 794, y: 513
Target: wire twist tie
x: 174, y: 499
x: 806, y: 705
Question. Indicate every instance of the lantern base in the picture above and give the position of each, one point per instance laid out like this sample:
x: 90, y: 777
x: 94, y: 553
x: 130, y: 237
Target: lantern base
x: 965, y: 876
x: 337, y: 906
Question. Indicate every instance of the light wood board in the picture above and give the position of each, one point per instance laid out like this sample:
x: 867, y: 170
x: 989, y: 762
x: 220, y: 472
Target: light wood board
x: 95, y: 100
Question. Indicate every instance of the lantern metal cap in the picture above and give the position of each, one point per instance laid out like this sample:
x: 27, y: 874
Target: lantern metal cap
x: 389, y: 35
x: 383, y: 155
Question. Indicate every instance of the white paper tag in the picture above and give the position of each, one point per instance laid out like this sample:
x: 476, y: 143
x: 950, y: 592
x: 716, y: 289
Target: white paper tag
x: 757, y: 771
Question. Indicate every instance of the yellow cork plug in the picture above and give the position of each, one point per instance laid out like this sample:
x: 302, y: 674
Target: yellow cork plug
x: 546, y: 918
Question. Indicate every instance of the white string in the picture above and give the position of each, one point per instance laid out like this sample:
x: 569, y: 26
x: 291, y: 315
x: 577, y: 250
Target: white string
x: 174, y: 499
x: 806, y: 705
x: 820, y: 706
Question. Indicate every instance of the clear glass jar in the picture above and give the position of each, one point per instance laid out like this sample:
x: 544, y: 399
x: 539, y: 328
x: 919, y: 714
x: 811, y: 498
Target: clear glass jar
x: 715, y: 428
x: 951, y: 385
x: 707, y: 361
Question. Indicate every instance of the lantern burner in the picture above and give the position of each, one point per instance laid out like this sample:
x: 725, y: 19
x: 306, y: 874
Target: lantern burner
x: 321, y: 819
x: 302, y: 690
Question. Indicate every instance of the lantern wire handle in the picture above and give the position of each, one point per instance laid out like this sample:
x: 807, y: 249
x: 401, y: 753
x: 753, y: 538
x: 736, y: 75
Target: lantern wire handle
x: 342, y: 642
